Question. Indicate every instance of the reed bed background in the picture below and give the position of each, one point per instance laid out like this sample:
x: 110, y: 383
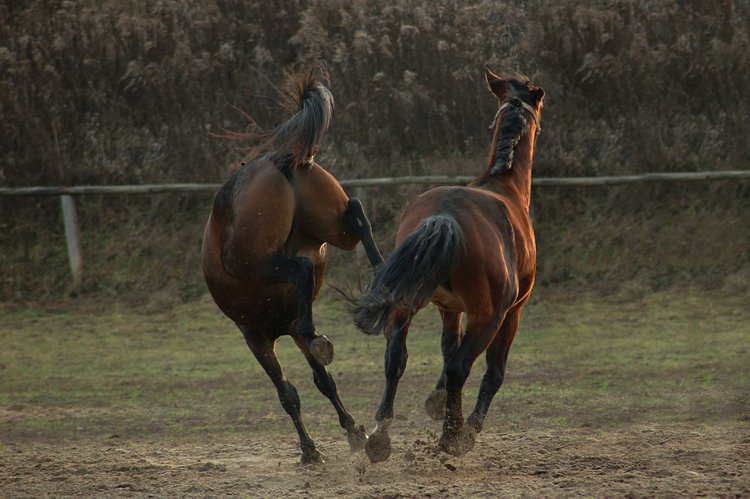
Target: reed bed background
x: 107, y: 92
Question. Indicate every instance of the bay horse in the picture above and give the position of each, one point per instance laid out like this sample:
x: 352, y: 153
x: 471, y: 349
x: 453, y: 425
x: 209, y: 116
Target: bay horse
x: 469, y: 250
x: 265, y: 247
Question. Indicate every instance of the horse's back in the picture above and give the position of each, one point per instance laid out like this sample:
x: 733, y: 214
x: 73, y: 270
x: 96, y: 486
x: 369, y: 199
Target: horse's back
x: 478, y: 211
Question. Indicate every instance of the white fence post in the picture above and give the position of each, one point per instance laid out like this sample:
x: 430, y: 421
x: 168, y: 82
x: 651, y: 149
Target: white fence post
x: 72, y: 238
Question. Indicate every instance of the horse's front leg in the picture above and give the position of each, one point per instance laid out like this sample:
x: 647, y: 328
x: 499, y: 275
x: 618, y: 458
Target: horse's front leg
x: 378, y: 447
x: 360, y: 225
x: 300, y: 271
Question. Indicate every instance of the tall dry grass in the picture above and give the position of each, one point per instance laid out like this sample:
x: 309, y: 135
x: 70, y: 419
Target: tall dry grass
x: 102, y: 91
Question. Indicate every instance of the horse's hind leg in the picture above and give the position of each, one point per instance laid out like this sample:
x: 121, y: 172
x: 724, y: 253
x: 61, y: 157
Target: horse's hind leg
x: 359, y: 223
x: 497, y: 356
x: 327, y: 386
x: 451, y: 337
x: 263, y: 349
x: 378, y: 447
x: 458, y: 439
x: 299, y: 271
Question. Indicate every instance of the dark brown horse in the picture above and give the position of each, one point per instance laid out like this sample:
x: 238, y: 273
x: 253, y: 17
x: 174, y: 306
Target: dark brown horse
x: 470, y: 250
x: 264, y: 247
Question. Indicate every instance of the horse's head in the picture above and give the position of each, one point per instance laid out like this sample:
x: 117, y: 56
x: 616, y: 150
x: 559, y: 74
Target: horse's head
x: 515, y: 91
x: 518, y: 100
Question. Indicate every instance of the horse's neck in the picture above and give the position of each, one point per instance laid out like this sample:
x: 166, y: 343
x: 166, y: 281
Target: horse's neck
x: 515, y: 183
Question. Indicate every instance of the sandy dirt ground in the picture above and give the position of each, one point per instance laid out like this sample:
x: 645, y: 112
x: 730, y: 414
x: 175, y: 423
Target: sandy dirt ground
x: 643, y: 460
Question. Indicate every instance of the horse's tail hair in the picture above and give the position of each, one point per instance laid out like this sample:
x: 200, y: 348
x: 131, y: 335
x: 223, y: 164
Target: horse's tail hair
x: 296, y: 141
x: 412, y: 272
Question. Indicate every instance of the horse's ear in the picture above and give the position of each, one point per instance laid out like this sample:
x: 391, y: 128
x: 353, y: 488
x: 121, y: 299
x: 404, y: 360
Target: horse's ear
x: 538, y: 93
x: 495, y: 84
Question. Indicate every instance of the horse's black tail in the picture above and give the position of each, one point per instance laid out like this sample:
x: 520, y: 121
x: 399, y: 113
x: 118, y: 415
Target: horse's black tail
x: 296, y: 141
x: 412, y: 272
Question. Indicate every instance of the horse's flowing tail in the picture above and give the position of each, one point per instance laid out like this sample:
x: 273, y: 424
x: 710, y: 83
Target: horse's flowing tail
x: 412, y: 272
x: 296, y: 141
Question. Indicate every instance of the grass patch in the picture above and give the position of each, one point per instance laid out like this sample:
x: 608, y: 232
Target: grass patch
x: 577, y: 361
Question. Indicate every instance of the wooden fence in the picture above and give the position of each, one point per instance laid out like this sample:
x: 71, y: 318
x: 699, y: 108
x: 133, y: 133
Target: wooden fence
x: 72, y: 232
x: 369, y: 182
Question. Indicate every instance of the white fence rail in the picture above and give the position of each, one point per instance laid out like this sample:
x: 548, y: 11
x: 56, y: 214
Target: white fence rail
x: 72, y: 232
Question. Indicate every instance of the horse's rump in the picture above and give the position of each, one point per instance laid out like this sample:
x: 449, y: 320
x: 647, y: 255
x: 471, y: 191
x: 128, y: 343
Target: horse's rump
x: 490, y: 263
x: 257, y: 208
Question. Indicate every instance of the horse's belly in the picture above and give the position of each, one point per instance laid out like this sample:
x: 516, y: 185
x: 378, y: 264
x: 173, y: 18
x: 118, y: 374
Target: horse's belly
x: 254, y: 302
x: 272, y: 308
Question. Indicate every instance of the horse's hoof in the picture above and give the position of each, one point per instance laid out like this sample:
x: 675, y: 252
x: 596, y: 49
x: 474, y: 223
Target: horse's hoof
x: 460, y: 443
x: 357, y: 438
x: 322, y: 349
x: 435, y: 404
x: 311, y: 458
x: 378, y: 447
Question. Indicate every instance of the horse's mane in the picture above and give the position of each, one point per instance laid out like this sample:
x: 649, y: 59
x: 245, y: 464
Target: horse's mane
x: 515, y: 124
x: 296, y: 141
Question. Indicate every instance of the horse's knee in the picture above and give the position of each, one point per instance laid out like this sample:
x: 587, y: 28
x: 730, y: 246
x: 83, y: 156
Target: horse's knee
x: 353, y: 226
x: 358, y: 221
x: 356, y: 211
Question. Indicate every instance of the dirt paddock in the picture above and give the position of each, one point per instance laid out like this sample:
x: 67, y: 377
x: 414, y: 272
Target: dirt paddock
x: 630, y: 398
x: 662, y: 460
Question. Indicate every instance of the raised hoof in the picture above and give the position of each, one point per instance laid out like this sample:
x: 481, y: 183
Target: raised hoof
x: 378, y: 447
x: 435, y: 404
x: 459, y: 444
x: 311, y: 458
x: 322, y: 349
x: 357, y: 438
